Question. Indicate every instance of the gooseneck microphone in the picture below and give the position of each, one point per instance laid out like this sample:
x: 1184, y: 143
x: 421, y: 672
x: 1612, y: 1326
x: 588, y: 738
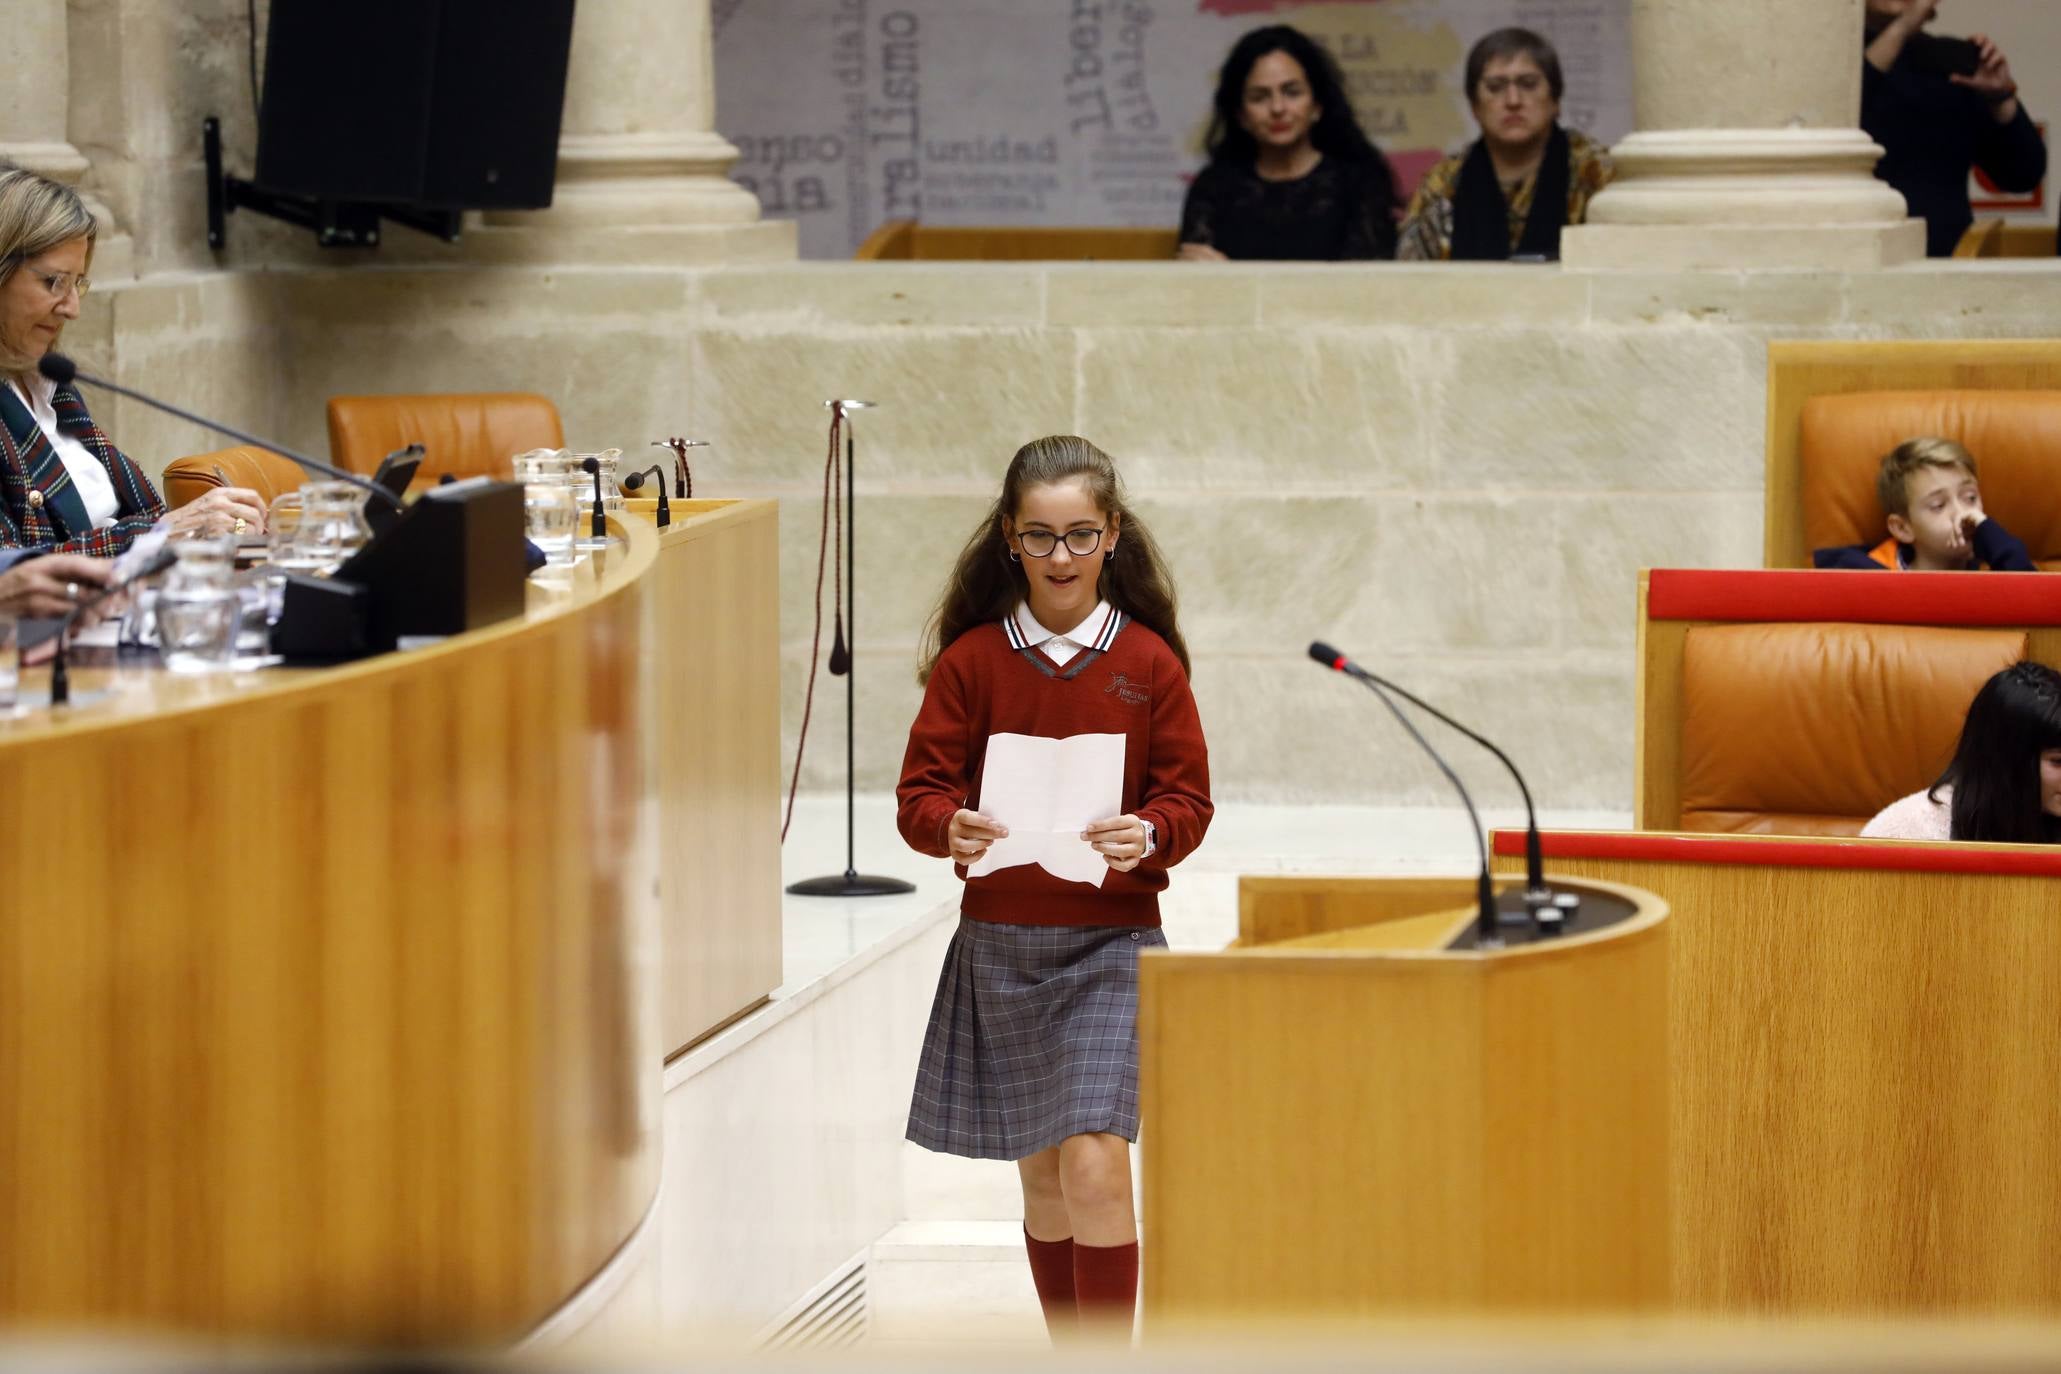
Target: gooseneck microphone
x: 592, y: 467
x: 60, y: 676
x: 1536, y: 891
x: 1487, y: 935
x: 635, y: 482
x: 63, y: 371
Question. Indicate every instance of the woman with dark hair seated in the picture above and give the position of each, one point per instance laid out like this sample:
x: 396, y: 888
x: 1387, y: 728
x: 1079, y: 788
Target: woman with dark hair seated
x: 1526, y: 178
x: 2004, y: 785
x: 1290, y: 174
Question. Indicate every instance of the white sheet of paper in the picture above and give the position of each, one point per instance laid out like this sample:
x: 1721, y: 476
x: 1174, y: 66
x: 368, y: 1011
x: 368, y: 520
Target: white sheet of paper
x: 1046, y: 791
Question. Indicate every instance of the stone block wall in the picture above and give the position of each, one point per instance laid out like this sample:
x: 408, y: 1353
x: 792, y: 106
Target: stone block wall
x: 1453, y: 472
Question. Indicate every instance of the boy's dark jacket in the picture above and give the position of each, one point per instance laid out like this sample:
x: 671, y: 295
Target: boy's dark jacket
x: 1996, y: 549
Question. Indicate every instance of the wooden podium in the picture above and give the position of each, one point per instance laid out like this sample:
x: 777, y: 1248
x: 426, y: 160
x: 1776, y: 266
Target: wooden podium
x: 1344, y: 1117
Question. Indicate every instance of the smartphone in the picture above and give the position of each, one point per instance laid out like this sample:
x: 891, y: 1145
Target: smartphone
x: 1942, y: 56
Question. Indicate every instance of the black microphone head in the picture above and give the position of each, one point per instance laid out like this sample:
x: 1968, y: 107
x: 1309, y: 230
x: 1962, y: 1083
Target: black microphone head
x: 1327, y: 655
x: 590, y: 465
x: 57, y: 368
x: 634, y: 482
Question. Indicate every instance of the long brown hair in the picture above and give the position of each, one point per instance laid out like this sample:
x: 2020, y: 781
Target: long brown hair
x: 986, y: 584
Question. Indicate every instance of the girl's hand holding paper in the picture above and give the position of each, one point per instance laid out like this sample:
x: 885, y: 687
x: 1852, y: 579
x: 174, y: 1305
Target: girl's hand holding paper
x: 1120, y: 841
x: 970, y: 835
x: 1044, y: 794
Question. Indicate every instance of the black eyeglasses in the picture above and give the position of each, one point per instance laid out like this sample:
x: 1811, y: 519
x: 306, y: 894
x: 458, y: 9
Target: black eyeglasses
x: 1531, y: 83
x: 1080, y: 543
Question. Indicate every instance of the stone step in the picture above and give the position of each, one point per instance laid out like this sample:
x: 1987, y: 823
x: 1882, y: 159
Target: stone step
x: 952, y: 1281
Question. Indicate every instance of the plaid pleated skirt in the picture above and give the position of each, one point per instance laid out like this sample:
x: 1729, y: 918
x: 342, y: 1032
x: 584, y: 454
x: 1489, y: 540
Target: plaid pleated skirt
x: 1033, y: 1038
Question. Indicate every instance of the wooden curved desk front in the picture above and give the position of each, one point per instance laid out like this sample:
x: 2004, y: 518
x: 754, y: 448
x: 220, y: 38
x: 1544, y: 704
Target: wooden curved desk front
x: 1343, y: 1118
x: 324, y: 1007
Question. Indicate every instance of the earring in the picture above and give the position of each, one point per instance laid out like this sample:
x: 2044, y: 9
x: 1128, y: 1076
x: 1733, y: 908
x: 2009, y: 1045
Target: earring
x: 1015, y: 557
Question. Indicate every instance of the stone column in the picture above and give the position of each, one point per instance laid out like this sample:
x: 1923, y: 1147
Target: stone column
x: 1747, y: 152
x: 641, y: 170
x: 35, y: 102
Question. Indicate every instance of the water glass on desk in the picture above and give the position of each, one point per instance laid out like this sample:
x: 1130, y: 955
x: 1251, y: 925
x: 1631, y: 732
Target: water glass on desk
x: 197, y: 608
x: 550, y: 514
x: 10, y: 660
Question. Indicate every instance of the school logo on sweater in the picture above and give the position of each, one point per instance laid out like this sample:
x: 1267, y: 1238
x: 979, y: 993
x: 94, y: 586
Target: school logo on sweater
x: 1128, y: 692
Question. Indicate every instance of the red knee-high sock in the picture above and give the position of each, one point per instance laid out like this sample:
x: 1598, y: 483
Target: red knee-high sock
x: 1105, y: 1285
x: 1051, y: 1263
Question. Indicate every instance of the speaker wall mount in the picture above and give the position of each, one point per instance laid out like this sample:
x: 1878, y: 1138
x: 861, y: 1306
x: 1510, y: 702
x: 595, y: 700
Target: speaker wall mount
x: 337, y: 223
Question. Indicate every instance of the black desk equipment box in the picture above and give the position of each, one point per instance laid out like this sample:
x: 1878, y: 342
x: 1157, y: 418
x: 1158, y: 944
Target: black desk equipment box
x: 452, y: 562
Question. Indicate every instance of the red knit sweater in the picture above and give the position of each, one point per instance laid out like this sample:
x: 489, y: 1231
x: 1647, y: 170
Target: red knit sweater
x: 982, y: 686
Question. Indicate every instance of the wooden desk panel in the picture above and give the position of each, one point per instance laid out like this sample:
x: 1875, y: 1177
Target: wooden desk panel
x: 320, y: 1005
x: 1863, y: 1081
x: 715, y: 661
x: 1400, y: 1131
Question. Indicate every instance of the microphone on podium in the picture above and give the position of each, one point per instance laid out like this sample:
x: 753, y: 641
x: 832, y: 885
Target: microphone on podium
x: 635, y: 482
x: 1487, y: 934
x: 592, y: 467
x: 1535, y: 891
x: 63, y: 371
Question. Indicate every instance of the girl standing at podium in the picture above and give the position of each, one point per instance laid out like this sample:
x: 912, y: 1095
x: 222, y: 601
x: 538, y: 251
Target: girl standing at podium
x: 1057, y: 620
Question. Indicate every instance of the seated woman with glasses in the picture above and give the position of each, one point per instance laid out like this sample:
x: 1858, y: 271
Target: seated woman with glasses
x: 1513, y: 190
x: 1290, y: 174
x: 64, y: 486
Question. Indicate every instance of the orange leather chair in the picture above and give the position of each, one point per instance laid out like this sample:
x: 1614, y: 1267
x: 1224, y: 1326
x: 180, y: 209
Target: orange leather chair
x: 466, y: 435
x: 261, y: 470
x: 2014, y: 435
x: 1810, y: 729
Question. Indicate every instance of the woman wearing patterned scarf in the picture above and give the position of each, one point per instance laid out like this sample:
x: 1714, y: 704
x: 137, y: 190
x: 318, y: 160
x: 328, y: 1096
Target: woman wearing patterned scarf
x: 1514, y: 189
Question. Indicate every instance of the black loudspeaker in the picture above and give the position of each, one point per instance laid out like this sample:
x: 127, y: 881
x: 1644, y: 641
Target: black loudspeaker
x: 442, y: 104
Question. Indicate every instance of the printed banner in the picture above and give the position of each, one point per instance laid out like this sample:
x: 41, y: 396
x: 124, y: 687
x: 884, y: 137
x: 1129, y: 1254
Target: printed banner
x: 850, y: 113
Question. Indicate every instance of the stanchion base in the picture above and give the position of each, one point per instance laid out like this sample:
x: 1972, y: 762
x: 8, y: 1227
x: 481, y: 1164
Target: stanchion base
x: 849, y: 884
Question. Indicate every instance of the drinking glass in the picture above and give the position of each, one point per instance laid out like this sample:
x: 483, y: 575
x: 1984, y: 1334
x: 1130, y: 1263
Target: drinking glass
x: 10, y: 660
x: 541, y: 465
x: 198, y: 609
x: 550, y: 511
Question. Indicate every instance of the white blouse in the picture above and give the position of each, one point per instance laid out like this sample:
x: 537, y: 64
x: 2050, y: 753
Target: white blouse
x: 88, y: 474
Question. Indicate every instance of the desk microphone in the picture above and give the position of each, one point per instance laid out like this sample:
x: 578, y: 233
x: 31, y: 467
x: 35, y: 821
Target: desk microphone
x: 635, y: 482
x: 60, y: 677
x: 1487, y: 935
x: 592, y: 467
x: 1536, y: 891
x: 63, y: 371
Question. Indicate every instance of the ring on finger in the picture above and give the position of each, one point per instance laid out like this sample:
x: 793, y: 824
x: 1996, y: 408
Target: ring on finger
x: 71, y: 591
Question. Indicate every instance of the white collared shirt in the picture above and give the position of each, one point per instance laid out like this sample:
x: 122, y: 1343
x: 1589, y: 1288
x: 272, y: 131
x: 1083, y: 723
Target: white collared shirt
x: 1062, y: 647
x: 88, y: 473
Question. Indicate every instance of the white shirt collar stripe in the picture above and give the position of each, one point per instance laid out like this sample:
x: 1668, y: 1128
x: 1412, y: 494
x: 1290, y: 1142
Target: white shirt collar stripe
x: 1095, y: 631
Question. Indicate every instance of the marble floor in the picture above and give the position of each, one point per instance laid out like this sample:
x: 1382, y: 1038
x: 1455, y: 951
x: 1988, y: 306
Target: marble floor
x: 953, y: 1272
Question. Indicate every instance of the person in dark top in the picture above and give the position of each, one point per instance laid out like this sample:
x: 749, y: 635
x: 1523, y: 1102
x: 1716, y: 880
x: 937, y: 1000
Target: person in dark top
x: 1290, y: 175
x: 1933, y: 507
x: 1939, y: 106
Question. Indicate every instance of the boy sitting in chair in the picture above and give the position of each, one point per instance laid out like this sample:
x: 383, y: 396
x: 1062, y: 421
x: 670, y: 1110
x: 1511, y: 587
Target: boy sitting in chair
x: 1936, y: 522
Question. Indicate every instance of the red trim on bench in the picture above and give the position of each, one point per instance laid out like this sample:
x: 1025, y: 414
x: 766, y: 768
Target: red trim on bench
x: 1775, y: 851
x: 1878, y: 598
